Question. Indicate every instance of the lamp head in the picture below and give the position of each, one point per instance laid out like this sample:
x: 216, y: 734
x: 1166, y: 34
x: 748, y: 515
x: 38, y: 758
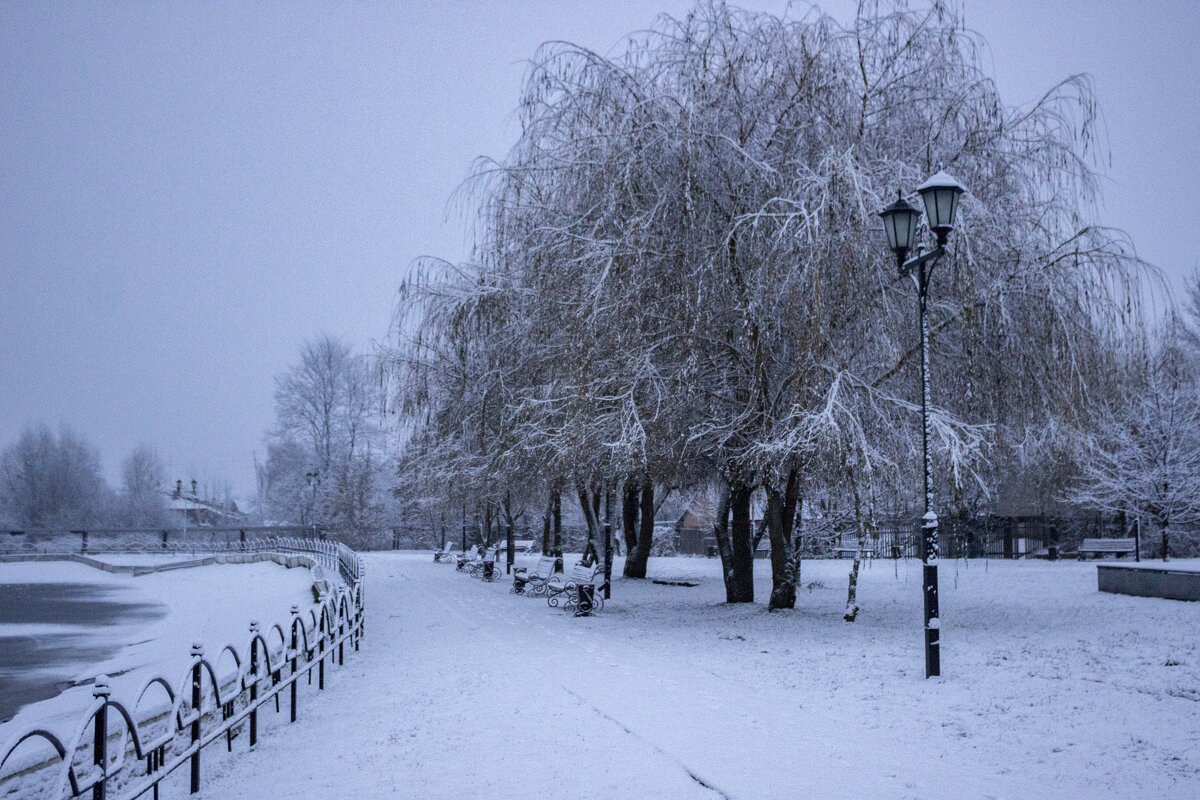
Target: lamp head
x: 900, y: 221
x: 941, y: 193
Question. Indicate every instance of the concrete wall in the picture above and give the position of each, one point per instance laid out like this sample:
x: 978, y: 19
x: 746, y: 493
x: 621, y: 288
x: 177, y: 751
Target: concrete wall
x: 1172, y: 584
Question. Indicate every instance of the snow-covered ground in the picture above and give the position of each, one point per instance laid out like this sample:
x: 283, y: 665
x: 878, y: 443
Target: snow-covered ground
x: 1049, y: 689
x: 211, y: 604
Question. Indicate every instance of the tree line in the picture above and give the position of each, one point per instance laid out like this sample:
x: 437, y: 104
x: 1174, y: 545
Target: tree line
x: 54, y: 479
x: 679, y: 279
x: 679, y: 287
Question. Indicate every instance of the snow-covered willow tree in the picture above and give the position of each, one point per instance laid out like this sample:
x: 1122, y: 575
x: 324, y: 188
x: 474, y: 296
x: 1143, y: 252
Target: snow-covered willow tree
x: 679, y: 270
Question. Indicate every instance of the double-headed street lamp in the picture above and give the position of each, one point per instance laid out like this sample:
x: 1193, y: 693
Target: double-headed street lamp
x: 900, y: 222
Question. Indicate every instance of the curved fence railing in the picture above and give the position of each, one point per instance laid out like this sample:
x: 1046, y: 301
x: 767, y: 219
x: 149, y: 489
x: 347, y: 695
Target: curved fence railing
x: 128, y: 748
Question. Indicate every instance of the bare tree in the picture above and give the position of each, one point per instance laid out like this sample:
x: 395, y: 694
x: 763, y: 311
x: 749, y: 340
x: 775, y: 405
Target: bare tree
x: 50, y: 480
x: 143, y: 481
x: 1141, y: 454
x: 327, y: 461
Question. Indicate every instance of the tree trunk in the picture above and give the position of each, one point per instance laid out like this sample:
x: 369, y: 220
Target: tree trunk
x: 779, y: 520
x: 610, y: 501
x: 741, y: 550
x: 546, y: 525
x: 759, y: 533
x: 556, y: 519
x: 1166, y: 541
x: 589, y: 505
x: 629, y: 519
x: 639, y: 556
x: 852, y: 593
x: 852, y: 588
x: 796, y: 566
x: 509, y: 534
x: 595, y: 512
x: 724, y: 546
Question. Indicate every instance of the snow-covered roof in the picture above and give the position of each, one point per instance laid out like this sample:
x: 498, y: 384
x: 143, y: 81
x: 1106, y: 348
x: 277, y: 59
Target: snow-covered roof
x: 192, y: 503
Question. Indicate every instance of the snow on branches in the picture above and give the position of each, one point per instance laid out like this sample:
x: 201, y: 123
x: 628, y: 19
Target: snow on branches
x: 678, y: 269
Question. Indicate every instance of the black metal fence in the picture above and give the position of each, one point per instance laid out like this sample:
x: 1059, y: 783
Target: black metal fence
x: 147, y: 540
x: 127, y: 750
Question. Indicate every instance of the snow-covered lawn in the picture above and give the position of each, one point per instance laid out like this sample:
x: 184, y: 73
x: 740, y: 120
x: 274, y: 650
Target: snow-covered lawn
x: 1050, y: 689
x: 211, y: 604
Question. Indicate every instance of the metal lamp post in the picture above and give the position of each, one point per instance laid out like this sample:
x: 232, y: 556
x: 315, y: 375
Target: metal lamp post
x: 900, y: 221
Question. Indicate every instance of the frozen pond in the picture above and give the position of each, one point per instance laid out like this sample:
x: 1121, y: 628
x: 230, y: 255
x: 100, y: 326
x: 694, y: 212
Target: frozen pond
x: 49, y: 632
x: 62, y: 623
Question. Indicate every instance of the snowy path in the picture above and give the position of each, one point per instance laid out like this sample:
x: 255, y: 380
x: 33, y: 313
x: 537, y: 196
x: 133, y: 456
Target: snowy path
x: 460, y: 690
x: 464, y: 690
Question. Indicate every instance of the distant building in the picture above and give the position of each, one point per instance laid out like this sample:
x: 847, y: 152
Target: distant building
x: 190, y: 510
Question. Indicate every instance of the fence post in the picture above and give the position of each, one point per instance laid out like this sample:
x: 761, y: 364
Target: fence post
x: 197, y: 654
x: 321, y: 658
x: 295, y: 649
x: 341, y: 640
x: 100, y: 744
x: 254, y: 683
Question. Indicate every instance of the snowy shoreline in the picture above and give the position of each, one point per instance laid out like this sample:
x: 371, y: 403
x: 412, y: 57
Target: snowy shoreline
x: 212, y: 604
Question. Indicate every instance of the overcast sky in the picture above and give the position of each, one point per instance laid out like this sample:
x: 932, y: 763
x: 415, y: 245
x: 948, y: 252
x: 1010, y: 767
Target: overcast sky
x: 188, y: 191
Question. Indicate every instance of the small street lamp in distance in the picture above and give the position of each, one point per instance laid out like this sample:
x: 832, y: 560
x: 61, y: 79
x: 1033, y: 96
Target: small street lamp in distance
x: 901, y: 222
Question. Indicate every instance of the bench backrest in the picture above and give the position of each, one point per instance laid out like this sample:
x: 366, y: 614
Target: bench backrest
x: 581, y: 574
x: 1109, y: 545
x: 544, y: 568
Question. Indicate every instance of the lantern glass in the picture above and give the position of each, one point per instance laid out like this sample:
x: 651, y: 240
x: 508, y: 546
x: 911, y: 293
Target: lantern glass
x: 941, y: 193
x: 900, y: 221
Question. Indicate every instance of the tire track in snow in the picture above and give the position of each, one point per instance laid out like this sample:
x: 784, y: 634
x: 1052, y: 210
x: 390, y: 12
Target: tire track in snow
x: 690, y: 773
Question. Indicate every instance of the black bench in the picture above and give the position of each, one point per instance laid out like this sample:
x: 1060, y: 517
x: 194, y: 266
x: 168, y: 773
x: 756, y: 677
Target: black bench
x: 534, y: 580
x: 1100, y: 547
x: 569, y: 585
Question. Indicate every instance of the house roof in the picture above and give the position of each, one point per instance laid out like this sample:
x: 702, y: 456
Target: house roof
x: 192, y: 503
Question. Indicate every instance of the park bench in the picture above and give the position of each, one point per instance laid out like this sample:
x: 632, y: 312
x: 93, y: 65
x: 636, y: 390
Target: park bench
x: 564, y: 587
x: 483, y: 567
x: 471, y: 563
x: 1100, y: 547
x: 499, y: 549
x: 533, y: 580
x: 847, y: 547
x: 443, y: 555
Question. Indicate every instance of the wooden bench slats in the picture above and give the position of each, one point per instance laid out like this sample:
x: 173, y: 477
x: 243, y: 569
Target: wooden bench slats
x: 1107, y: 545
x: 1117, y: 547
x: 542, y: 570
